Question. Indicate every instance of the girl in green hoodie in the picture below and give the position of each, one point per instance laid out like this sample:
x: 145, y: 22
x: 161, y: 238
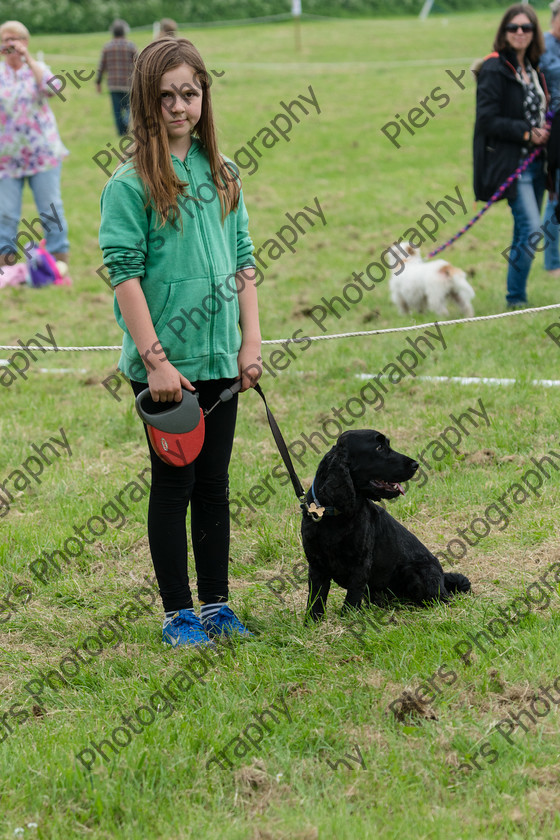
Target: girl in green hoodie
x: 175, y: 240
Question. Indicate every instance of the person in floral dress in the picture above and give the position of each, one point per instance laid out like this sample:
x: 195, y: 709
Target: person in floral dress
x: 30, y: 149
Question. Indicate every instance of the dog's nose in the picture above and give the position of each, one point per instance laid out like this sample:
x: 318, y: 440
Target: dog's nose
x: 414, y: 466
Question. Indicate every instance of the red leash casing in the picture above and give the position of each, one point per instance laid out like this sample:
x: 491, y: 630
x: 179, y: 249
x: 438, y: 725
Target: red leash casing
x: 175, y: 430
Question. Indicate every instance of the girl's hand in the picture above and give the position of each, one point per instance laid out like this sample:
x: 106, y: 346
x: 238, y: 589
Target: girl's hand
x: 165, y: 383
x: 249, y: 364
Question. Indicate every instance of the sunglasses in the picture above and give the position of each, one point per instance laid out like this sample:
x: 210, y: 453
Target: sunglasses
x: 525, y: 27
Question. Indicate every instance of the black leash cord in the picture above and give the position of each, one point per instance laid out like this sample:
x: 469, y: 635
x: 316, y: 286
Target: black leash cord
x: 282, y: 448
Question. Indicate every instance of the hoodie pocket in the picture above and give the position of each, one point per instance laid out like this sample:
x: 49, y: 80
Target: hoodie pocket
x: 183, y: 325
x: 168, y: 311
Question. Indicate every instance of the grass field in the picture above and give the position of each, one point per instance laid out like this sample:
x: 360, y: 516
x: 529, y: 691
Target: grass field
x: 451, y: 761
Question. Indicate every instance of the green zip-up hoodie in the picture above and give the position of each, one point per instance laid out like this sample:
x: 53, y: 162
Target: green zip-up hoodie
x: 187, y: 276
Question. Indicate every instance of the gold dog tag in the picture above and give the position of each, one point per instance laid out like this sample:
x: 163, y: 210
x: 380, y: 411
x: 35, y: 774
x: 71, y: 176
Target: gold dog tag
x: 315, y: 512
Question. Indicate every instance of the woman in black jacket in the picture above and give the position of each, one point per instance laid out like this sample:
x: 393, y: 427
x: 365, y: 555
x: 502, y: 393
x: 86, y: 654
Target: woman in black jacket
x: 510, y: 123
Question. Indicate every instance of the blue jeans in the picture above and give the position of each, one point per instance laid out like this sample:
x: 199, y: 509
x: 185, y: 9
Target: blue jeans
x: 526, y: 210
x: 121, y: 110
x: 50, y: 224
x: 551, y: 227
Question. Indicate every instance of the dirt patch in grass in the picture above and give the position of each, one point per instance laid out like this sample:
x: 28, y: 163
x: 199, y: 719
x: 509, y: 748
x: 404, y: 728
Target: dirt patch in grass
x: 256, y: 789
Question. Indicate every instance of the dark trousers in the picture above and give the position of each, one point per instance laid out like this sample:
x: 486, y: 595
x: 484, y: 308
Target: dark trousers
x: 121, y: 110
x: 205, y: 485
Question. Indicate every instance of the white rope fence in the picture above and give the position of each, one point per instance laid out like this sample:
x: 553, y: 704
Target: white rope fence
x: 357, y: 333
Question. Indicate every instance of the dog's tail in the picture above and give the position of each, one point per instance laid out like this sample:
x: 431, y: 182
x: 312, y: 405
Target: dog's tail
x: 456, y: 583
x: 463, y: 285
x: 462, y: 292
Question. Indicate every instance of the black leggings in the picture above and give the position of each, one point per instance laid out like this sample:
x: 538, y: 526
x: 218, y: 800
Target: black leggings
x: 205, y: 484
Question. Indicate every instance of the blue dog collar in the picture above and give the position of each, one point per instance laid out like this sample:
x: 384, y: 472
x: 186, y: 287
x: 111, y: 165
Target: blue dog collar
x: 316, y: 510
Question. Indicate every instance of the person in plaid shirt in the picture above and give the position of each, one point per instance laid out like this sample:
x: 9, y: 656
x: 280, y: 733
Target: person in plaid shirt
x: 117, y: 61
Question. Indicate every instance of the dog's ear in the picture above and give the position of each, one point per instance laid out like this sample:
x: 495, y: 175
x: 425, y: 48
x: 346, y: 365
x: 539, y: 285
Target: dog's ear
x: 410, y: 250
x: 333, y: 483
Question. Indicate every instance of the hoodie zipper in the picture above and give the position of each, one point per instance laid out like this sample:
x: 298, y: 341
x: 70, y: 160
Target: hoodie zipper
x: 211, y: 270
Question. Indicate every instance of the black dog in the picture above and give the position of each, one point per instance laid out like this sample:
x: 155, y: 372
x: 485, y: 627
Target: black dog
x: 349, y: 539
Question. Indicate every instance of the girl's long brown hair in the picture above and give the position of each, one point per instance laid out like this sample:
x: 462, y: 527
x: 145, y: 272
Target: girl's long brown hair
x: 150, y: 152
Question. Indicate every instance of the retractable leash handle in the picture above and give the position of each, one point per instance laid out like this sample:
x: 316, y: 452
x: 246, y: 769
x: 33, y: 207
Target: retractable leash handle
x: 175, y: 430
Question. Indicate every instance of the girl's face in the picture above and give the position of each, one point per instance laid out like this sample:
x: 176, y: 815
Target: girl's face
x: 181, y: 105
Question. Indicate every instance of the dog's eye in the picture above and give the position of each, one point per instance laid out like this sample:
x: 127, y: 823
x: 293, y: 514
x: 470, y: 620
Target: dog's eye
x: 379, y: 448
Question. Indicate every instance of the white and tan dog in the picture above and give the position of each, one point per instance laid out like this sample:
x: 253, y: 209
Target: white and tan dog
x: 420, y: 285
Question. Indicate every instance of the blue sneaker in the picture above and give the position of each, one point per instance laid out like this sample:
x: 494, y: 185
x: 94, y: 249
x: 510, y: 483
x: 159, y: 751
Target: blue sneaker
x: 225, y: 623
x: 185, y: 629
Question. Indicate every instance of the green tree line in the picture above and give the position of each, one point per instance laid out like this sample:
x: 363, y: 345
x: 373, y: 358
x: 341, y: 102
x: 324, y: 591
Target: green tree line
x: 87, y: 16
